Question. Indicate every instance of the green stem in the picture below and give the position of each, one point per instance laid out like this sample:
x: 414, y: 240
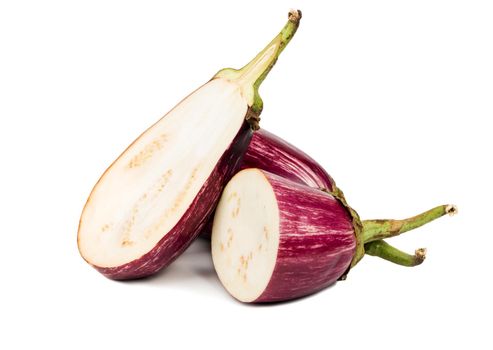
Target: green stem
x: 374, y: 230
x: 385, y: 251
x: 253, y: 74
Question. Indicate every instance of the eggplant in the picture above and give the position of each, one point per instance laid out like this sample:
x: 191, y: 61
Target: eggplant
x: 274, y: 239
x: 151, y: 203
x: 269, y: 152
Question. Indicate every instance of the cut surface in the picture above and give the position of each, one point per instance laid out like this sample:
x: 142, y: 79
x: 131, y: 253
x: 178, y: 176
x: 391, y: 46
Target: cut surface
x: 146, y: 191
x: 245, y: 235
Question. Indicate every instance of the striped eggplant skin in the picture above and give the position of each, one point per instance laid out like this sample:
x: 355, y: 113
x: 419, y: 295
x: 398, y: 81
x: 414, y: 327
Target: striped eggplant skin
x: 316, y: 241
x: 176, y: 241
x: 269, y: 152
x: 275, y: 155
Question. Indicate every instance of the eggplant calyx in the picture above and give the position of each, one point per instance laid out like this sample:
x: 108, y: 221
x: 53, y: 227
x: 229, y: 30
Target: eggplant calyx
x: 357, y: 226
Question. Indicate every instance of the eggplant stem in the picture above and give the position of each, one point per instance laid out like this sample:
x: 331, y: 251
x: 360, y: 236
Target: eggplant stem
x: 387, y: 252
x: 284, y: 37
x: 374, y: 230
x: 253, y: 74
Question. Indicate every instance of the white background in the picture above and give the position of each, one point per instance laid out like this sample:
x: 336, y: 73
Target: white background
x: 393, y: 97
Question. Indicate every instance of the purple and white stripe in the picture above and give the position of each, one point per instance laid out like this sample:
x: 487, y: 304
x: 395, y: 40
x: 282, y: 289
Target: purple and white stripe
x: 273, y: 154
x: 316, y: 242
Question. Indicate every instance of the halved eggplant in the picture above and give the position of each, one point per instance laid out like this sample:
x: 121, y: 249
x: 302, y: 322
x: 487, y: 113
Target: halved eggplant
x: 153, y: 200
x: 274, y: 239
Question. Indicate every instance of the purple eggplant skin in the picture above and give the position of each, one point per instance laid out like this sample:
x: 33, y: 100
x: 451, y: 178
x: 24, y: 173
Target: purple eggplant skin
x: 316, y: 242
x: 269, y: 152
x: 177, y: 240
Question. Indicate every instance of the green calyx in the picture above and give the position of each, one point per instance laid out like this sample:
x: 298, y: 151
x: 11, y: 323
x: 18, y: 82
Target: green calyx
x: 251, y: 76
x: 370, y: 234
x: 356, y: 221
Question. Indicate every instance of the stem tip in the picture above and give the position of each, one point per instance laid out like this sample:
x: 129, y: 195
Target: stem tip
x: 294, y: 15
x: 420, y: 255
x: 451, y: 209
